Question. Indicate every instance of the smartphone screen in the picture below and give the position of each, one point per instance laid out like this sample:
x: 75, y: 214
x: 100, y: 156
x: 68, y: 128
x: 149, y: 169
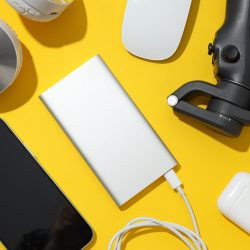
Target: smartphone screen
x: 34, y: 213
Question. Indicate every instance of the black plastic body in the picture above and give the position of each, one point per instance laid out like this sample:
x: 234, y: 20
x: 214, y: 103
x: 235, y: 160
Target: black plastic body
x: 229, y: 108
x: 235, y: 31
x: 34, y: 213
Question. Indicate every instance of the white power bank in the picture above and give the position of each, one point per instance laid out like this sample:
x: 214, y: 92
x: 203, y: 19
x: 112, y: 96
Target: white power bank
x: 108, y: 130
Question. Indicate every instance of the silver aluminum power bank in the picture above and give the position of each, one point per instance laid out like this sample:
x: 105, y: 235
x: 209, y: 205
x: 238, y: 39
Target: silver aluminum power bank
x: 108, y: 130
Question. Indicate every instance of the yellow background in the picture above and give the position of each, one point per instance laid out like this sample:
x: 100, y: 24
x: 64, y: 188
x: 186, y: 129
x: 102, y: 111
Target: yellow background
x: 207, y: 160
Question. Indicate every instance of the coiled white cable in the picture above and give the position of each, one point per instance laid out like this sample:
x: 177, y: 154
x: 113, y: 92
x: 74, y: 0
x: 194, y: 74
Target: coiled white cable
x: 190, y: 238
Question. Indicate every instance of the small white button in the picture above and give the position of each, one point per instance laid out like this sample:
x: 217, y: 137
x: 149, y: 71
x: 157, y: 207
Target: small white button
x: 172, y: 100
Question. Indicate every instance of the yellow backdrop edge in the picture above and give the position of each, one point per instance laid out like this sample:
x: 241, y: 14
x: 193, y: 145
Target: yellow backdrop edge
x: 207, y: 160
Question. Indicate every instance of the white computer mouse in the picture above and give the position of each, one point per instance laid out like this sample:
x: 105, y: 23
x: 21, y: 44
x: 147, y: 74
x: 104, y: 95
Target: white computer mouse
x: 152, y: 29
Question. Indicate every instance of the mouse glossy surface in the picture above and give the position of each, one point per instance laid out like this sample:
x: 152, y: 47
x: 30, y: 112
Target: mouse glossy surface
x: 153, y: 29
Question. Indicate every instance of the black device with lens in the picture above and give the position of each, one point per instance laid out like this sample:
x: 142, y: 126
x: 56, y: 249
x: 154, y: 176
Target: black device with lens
x: 34, y: 213
x: 229, y: 106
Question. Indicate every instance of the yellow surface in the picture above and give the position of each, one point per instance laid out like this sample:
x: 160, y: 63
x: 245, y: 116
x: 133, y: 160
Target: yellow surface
x: 207, y: 160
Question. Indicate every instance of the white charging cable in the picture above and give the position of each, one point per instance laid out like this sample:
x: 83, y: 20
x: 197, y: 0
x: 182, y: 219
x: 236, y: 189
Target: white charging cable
x: 190, y: 238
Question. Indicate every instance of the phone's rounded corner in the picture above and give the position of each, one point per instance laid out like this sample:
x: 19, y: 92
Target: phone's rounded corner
x: 91, y: 240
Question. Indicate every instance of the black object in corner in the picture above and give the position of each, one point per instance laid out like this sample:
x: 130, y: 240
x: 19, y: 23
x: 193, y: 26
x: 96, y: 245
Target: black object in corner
x: 229, y: 107
x: 34, y: 213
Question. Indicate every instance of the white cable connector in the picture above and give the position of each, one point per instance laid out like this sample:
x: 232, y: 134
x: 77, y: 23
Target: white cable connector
x: 173, y: 179
x: 190, y: 238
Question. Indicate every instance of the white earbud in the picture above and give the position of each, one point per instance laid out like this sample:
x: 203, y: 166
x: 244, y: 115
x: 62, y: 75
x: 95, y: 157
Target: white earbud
x: 40, y: 10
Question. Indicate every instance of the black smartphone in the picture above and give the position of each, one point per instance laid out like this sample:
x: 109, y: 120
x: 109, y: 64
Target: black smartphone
x: 34, y: 213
